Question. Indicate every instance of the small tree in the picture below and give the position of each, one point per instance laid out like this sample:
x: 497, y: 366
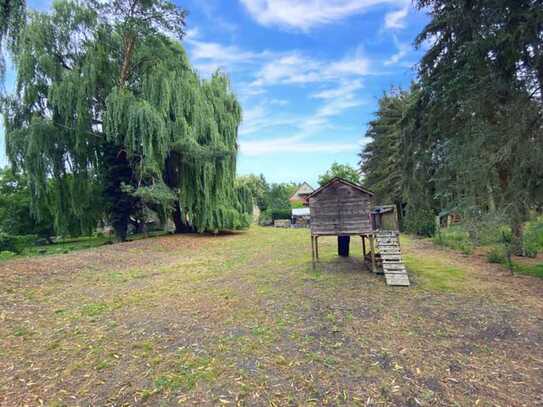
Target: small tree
x: 344, y: 171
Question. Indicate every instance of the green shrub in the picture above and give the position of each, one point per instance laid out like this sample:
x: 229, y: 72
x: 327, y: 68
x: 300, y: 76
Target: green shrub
x: 6, y: 255
x: 454, y: 237
x: 533, y: 237
x: 265, y: 218
x: 419, y: 221
x: 269, y: 215
x: 281, y: 214
x: 16, y: 244
x: 497, y: 255
x: 7, y: 243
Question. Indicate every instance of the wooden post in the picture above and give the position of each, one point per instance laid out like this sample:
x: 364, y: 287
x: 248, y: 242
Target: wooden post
x: 363, y: 246
x: 372, y: 247
x: 317, y: 248
x: 312, y: 251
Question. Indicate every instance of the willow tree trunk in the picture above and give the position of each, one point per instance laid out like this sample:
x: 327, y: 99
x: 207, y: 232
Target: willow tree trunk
x: 119, y: 203
x: 181, y: 224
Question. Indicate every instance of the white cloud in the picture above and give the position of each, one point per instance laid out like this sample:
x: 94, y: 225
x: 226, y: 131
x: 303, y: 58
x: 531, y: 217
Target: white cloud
x: 294, y: 144
x: 321, y: 119
x: 306, y: 14
x: 279, y: 102
x: 296, y: 68
x: 396, y: 19
x: 341, y: 78
x: 192, y: 34
x: 208, y: 56
x: 258, y: 119
x: 403, y: 49
x: 343, y: 89
x: 213, y: 51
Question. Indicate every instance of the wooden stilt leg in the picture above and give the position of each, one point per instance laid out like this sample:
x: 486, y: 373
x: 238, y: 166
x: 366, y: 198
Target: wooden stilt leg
x: 313, y: 251
x: 372, y: 247
x: 363, y: 245
x: 317, y: 248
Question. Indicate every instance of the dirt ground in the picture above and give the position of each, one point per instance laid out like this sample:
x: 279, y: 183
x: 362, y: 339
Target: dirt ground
x: 243, y: 319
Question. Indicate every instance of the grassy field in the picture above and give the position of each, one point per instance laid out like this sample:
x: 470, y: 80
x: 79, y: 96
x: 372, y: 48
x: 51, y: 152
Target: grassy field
x: 72, y: 244
x: 243, y: 319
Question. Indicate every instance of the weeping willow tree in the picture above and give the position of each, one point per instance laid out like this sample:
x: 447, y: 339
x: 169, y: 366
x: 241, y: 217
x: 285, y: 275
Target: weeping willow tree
x: 12, y: 18
x: 110, y: 118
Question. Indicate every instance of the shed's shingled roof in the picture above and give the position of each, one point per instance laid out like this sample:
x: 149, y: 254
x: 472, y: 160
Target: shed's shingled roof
x: 343, y: 181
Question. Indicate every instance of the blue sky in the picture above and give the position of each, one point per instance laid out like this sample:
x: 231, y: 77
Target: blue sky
x: 308, y: 74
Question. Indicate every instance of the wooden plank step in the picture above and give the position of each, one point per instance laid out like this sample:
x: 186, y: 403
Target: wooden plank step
x: 396, y: 257
x: 397, y: 276
x: 394, y: 266
x: 389, y: 251
x: 397, y: 280
x: 395, y: 272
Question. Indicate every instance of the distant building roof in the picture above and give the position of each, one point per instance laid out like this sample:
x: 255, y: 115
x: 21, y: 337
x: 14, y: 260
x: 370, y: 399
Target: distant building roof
x: 300, y: 211
x: 301, y: 193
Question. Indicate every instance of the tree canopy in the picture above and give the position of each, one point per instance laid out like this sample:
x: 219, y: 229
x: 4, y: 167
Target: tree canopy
x: 344, y: 171
x: 469, y: 132
x: 110, y: 118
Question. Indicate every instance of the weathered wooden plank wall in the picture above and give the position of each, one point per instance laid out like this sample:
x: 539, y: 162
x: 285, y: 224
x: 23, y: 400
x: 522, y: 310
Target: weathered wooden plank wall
x: 340, y: 209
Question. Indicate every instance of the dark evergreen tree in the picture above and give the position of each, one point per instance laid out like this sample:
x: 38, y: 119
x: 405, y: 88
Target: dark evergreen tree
x: 481, y: 94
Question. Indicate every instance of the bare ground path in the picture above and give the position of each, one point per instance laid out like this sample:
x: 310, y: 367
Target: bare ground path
x: 242, y: 319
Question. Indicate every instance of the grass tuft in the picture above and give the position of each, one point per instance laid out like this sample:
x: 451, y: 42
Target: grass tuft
x: 94, y: 309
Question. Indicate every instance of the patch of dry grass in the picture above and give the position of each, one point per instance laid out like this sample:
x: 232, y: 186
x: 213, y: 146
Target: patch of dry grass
x: 243, y: 319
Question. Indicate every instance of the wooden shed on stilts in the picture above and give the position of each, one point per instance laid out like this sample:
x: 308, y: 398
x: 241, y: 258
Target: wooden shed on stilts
x: 344, y: 209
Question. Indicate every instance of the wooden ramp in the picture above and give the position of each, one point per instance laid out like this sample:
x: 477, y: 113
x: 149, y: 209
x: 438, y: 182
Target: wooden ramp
x: 388, y: 244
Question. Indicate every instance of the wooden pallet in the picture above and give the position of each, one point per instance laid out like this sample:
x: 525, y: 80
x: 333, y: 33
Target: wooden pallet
x: 391, y: 258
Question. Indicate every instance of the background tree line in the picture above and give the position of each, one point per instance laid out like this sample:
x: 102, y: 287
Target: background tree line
x: 273, y: 199
x: 468, y: 133
x: 109, y: 121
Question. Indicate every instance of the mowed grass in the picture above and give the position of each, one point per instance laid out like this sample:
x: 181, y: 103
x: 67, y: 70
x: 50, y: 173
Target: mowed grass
x: 535, y: 270
x: 244, y: 319
x: 434, y: 273
x: 68, y: 245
